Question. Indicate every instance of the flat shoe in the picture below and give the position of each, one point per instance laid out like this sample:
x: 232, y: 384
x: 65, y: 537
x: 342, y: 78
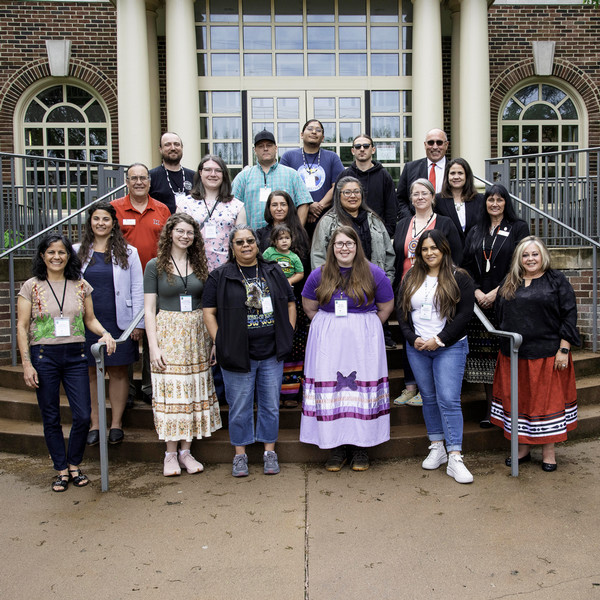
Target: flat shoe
x: 549, y: 467
x: 523, y: 459
x: 60, y: 484
x: 115, y: 436
x: 485, y: 424
x: 78, y: 478
x: 93, y: 437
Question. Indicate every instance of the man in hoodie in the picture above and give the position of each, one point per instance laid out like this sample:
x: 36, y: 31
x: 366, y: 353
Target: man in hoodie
x: 378, y: 185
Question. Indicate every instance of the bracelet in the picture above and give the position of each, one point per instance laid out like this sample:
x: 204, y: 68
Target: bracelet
x: 439, y: 342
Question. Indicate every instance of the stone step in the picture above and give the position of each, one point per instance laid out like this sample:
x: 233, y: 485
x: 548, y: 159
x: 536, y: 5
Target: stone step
x: 141, y: 445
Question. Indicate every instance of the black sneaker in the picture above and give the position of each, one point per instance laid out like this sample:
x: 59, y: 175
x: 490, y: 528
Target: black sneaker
x: 337, y: 459
x: 360, y: 460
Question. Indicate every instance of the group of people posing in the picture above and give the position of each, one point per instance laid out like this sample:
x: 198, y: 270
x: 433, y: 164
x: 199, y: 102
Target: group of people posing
x: 277, y: 288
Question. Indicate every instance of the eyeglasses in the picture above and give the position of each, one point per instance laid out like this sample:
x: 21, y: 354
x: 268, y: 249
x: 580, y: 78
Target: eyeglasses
x: 217, y: 171
x: 349, y: 193
x: 136, y: 178
x: 314, y: 130
x: 436, y: 142
x: 420, y: 195
x: 183, y: 233
x: 240, y: 243
x: 350, y: 245
x: 359, y: 146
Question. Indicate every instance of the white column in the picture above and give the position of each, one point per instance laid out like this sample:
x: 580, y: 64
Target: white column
x: 154, y: 97
x: 455, y: 80
x: 427, y: 92
x: 133, y: 83
x: 475, y: 134
x: 182, y: 78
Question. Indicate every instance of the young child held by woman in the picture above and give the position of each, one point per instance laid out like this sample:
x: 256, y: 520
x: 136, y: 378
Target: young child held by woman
x: 279, y: 251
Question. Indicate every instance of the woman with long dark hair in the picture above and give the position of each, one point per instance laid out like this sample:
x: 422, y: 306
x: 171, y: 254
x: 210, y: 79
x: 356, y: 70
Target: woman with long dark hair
x: 54, y: 308
x: 346, y: 406
x: 113, y: 268
x: 183, y: 396
x: 435, y: 303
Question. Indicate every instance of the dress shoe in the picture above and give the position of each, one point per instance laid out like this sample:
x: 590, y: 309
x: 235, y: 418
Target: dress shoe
x: 549, y: 467
x: 93, y: 437
x: 523, y: 459
x: 485, y: 424
x: 115, y: 436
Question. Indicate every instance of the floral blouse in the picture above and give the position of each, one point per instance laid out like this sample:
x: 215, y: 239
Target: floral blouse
x: 222, y: 220
x: 45, y: 307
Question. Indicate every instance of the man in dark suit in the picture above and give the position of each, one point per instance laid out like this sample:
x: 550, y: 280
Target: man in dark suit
x: 432, y: 167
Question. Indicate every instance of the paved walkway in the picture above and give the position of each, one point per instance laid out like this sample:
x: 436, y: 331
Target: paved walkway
x: 393, y: 532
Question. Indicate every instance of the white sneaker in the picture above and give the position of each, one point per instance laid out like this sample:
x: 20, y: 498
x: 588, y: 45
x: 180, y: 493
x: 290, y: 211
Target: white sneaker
x: 456, y: 468
x: 437, y: 456
x: 189, y: 463
x: 171, y: 465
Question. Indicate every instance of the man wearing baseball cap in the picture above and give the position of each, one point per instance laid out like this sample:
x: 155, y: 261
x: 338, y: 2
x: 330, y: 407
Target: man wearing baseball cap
x: 254, y: 184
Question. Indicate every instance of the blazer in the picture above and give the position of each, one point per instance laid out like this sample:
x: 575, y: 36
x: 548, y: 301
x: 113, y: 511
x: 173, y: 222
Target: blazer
x: 413, y: 170
x: 129, y: 286
x: 473, y: 211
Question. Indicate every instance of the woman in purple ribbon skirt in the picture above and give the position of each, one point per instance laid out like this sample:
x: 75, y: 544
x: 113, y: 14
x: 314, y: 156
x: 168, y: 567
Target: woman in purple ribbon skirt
x: 346, y: 406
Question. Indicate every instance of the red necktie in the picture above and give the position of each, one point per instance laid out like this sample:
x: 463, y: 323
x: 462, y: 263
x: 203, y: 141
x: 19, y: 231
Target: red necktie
x: 432, y: 175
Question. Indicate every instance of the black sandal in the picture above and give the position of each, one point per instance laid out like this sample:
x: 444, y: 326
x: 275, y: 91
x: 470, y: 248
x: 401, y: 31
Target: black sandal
x: 79, y: 480
x: 61, y: 483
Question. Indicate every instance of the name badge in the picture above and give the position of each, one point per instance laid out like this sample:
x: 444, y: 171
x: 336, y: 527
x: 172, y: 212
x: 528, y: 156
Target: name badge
x: 264, y: 194
x: 179, y: 196
x: 209, y: 231
x: 310, y: 181
x: 503, y: 232
x: 185, y: 303
x: 426, y: 311
x: 341, y: 308
x: 62, y: 327
x: 128, y: 221
x: 267, y: 305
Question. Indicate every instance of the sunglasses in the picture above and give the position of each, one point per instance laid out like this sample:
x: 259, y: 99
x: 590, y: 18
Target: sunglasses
x: 359, y: 146
x: 436, y: 142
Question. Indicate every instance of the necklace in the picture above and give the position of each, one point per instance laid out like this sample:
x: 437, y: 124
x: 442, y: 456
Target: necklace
x: 412, y: 245
x: 310, y: 168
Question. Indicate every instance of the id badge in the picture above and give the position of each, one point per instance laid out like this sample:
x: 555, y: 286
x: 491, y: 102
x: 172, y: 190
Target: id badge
x: 128, y: 221
x: 310, y: 181
x: 267, y: 305
x: 341, y: 308
x: 264, y: 194
x: 503, y: 232
x: 179, y: 196
x: 210, y: 231
x: 426, y: 311
x: 185, y: 302
x: 62, y: 327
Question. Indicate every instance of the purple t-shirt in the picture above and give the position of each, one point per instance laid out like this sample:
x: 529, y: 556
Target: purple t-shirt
x: 383, y: 291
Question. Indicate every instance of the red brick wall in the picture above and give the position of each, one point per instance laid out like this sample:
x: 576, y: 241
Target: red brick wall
x: 575, y: 30
x: 24, y: 27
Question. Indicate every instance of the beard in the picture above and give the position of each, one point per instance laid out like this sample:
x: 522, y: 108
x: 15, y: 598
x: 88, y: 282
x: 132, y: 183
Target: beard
x: 171, y: 160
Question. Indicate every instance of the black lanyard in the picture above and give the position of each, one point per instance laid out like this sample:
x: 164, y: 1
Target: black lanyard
x: 60, y: 304
x: 209, y: 213
x: 184, y: 281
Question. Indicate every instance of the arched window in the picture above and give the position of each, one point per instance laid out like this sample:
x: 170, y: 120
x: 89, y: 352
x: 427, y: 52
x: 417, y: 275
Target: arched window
x: 538, y: 118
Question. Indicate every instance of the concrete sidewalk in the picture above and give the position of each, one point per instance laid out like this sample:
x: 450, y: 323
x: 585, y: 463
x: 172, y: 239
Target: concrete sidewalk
x: 393, y: 532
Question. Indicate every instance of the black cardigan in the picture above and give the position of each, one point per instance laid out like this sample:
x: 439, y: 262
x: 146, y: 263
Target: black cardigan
x: 473, y: 209
x: 454, y: 329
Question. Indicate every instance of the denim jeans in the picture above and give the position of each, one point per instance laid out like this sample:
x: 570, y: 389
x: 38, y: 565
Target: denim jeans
x: 439, y: 375
x: 66, y: 364
x: 266, y: 375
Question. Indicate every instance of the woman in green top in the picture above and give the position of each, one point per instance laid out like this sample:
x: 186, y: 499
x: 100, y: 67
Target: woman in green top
x: 183, y: 395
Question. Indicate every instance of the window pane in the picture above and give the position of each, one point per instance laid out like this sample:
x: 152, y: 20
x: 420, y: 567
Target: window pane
x: 348, y: 131
x: 257, y: 38
x: 407, y: 38
x: 78, y: 96
x: 407, y: 65
x: 203, y: 127
x: 288, y: 108
x: 257, y: 65
x: 385, y: 127
x: 76, y: 136
x: 346, y: 155
x: 203, y: 101
x: 528, y: 94
x: 353, y: 38
x: 407, y: 127
x: 290, y: 10
x: 55, y: 136
x: 291, y: 65
x: 199, y: 12
x: 94, y: 113
x: 224, y: 38
x: 550, y: 133
x: 77, y: 155
x: 384, y: 38
x: 529, y: 133
x: 384, y: 11
x: 324, y: 108
x: 52, y: 95
x: 353, y: 64
x: 226, y: 102
x: 226, y: 128
x: 35, y: 113
x: 407, y: 11
x: 387, y: 151
x: 201, y: 38
x: 352, y: 11
x: 330, y: 133
x: 202, y: 62
x: 384, y: 64
x: 259, y: 126
x: 385, y: 102
x: 320, y: 38
x: 98, y: 137
x: 229, y: 152
x: 257, y: 10
x: 349, y: 108
x: 222, y: 10
x: 34, y: 137
x: 568, y: 110
x: 407, y: 100
x: 98, y: 155
x: 287, y: 133
x: 65, y: 114
x: 539, y: 111
x: 320, y: 11
x: 510, y: 151
x: 510, y: 133
x: 512, y: 111
x: 289, y: 38
x: 552, y: 94
x: 224, y: 65
x: 321, y: 65
x: 570, y: 133
x: 262, y: 108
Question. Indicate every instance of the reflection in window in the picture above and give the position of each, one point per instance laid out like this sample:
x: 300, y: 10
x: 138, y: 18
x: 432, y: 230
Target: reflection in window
x: 353, y: 38
x: 201, y: 38
x: 257, y: 10
x: 383, y: 11
x: 349, y: 130
x: 324, y: 108
x: 384, y: 65
x: 262, y: 108
x: 288, y: 108
x: 257, y: 38
x: 288, y: 11
x: 225, y: 65
x: 230, y: 152
x: 257, y: 65
x: 385, y: 127
x: 224, y: 38
x: 222, y: 10
x: 226, y: 102
x: 349, y: 108
x: 320, y: 38
x: 320, y: 11
x: 353, y: 65
x: 290, y: 65
x: 289, y: 38
x: 385, y: 101
x: 384, y: 38
x: 226, y: 128
x: 287, y: 133
x: 352, y: 11
x: 321, y: 65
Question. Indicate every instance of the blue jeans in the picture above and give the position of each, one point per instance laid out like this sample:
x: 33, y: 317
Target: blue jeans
x: 66, y: 364
x: 439, y: 375
x: 266, y: 375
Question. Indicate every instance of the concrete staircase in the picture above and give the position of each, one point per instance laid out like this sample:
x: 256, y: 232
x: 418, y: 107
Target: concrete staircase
x: 21, y: 427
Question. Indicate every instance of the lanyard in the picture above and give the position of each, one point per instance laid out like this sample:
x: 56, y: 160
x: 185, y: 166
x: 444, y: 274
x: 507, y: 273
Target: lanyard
x: 60, y: 304
x: 485, y: 256
x: 428, y: 291
x: 184, y: 281
x: 209, y: 212
x: 309, y: 168
x: 179, y: 191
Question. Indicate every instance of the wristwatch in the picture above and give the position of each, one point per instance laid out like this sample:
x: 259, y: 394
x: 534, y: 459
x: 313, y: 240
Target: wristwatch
x: 564, y: 350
